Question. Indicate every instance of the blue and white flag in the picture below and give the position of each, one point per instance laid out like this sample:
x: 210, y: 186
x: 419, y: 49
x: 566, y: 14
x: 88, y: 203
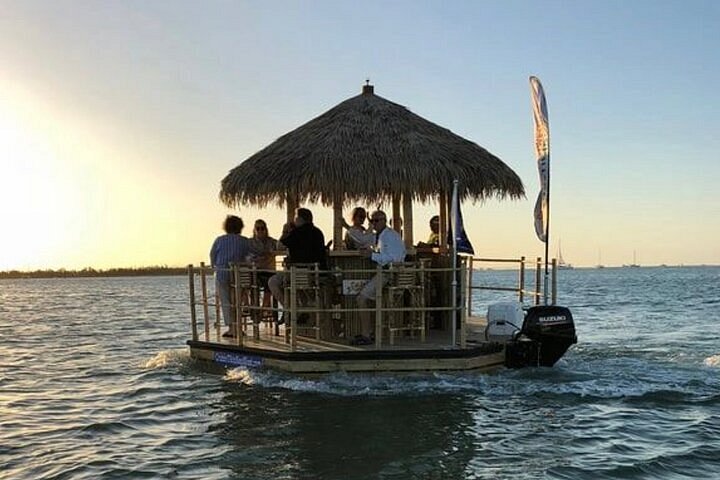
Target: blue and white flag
x: 458, y: 237
x: 542, y: 152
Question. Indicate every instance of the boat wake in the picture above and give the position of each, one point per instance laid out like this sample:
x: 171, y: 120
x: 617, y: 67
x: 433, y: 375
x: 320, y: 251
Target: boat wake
x: 166, y: 358
x: 355, y: 384
x: 712, y: 361
x: 533, y: 382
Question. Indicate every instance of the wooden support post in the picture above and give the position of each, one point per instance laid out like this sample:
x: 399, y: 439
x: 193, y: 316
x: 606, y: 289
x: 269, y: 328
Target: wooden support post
x: 521, y: 280
x: 538, y: 271
x: 291, y: 205
x: 378, y: 308
x: 293, y: 310
x: 396, y: 219
x: 407, y: 220
x: 423, y: 314
x: 463, y: 298
x: 449, y: 222
x: 206, y: 313
x: 442, y: 235
x: 337, y: 224
x: 554, y: 281
x: 193, y: 313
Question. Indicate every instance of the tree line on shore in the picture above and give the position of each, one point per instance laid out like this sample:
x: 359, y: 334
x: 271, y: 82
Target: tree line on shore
x: 92, y: 272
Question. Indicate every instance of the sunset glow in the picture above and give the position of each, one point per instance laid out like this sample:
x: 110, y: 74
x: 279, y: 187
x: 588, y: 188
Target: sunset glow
x: 113, y: 156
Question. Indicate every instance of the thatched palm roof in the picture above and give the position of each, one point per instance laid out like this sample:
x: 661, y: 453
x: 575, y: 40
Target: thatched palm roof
x: 368, y: 148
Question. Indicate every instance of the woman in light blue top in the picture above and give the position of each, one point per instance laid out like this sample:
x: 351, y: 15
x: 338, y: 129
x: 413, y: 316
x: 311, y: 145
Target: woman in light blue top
x: 228, y: 249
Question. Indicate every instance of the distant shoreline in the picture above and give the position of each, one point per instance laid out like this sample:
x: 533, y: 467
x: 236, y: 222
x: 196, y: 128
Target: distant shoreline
x: 177, y: 271
x: 91, y: 272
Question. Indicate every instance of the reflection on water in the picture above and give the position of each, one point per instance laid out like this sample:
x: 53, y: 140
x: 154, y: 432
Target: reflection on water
x: 359, y: 437
x: 95, y: 383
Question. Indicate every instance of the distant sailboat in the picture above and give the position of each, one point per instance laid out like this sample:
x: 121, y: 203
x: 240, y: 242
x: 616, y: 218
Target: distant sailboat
x: 634, y: 263
x: 561, y: 265
x: 599, y: 264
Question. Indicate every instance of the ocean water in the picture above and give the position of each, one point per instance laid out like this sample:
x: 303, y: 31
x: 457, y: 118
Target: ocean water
x: 96, y: 383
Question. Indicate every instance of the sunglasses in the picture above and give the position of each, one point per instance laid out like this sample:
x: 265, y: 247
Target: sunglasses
x: 375, y: 220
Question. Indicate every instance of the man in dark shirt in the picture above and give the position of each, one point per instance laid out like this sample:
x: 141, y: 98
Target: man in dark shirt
x: 306, y: 244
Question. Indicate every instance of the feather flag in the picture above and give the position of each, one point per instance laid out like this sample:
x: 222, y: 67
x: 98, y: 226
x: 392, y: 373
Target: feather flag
x: 542, y: 152
x: 457, y: 236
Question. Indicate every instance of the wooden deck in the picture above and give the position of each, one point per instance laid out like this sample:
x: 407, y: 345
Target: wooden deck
x: 435, y: 340
x: 316, y: 356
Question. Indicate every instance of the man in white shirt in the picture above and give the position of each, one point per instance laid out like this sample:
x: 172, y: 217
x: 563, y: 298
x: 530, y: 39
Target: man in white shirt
x: 389, y: 248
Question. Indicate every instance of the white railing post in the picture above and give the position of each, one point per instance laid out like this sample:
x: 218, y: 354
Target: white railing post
x: 206, y: 313
x: 378, y: 307
x: 463, y: 317
x: 239, y: 332
x: 193, y: 313
x: 293, y: 309
x: 521, y: 280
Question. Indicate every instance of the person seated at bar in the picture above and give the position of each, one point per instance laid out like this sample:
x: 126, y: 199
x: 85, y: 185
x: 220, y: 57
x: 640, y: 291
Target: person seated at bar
x: 389, y: 248
x: 434, y: 238
x: 226, y: 249
x: 357, y: 236
x: 306, y: 244
x: 262, y: 254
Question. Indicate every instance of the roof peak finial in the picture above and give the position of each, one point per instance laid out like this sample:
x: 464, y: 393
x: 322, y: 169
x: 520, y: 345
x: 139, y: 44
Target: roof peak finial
x: 367, y: 88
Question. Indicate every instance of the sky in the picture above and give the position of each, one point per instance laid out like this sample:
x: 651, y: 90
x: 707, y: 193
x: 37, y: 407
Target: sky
x: 119, y: 119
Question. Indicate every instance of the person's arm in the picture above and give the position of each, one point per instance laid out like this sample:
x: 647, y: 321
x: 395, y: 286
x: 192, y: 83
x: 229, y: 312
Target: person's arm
x: 287, y: 238
x: 244, y: 249
x: 362, y: 239
x: 214, y: 252
x: 256, y: 247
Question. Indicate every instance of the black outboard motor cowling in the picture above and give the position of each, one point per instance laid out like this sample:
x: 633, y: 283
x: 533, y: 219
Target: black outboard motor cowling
x: 547, y: 333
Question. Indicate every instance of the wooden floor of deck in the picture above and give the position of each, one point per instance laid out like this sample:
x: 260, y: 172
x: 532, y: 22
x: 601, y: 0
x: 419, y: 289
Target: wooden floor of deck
x: 434, y: 340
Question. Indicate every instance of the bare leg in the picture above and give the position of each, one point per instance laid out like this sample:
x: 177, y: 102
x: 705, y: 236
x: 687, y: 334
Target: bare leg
x: 365, y: 321
x: 276, y: 284
x: 226, y: 301
x: 364, y: 299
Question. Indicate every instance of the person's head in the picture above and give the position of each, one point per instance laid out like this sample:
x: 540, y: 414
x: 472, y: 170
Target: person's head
x: 303, y: 216
x: 358, y: 216
x: 435, y: 224
x: 260, y: 229
x: 233, y: 224
x: 378, y: 220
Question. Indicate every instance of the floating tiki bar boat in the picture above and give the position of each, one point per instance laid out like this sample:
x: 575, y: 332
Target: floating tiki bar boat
x: 368, y: 150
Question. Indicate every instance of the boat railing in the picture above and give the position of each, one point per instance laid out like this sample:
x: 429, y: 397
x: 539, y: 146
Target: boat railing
x: 524, y: 266
x: 250, y: 313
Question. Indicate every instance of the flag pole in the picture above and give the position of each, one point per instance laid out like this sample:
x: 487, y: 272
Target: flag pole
x: 542, y: 152
x: 547, y: 231
x: 453, y: 222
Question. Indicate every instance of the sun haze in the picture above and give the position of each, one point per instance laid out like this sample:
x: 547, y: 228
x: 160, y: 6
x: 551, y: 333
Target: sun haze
x: 118, y: 120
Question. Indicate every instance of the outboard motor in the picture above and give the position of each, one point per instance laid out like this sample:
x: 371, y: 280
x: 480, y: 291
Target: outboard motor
x: 546, y: 334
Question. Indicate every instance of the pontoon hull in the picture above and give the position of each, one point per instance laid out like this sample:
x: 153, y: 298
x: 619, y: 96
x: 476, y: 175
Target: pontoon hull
x: 484, y: 357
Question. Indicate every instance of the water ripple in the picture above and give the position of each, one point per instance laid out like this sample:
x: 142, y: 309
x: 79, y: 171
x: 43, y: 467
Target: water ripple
x: 96, y: 384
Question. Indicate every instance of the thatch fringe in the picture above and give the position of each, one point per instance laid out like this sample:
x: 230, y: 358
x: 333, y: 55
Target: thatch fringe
x: 365, y: 150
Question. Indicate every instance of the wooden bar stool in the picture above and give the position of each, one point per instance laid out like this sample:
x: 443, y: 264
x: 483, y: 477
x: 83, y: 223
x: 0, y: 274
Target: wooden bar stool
x: 406, y: 279
x: 307, y: 287
x: 248, y: 314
